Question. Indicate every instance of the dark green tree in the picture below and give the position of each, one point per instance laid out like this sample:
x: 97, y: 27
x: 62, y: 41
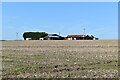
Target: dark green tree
x: 34, y: 35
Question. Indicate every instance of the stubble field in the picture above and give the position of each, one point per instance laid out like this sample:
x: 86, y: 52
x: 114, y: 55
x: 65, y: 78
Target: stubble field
x: 60, y: 59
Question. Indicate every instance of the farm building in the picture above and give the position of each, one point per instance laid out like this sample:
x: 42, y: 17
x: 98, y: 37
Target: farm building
x: 46, y: 36
x: 53, y: 37
x: 28, y: 38
x: 81, y: 37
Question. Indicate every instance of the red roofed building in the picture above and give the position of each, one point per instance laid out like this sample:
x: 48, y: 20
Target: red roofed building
x: 80, y: 37
x: 76, y: 35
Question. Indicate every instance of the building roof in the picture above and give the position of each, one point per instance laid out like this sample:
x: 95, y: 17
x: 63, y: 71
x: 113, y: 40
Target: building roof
x: 76, y: 35
x: 53, y: 35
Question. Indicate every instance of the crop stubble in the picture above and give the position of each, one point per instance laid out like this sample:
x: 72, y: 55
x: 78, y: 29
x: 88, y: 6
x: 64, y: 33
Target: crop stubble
x: 60, y: 59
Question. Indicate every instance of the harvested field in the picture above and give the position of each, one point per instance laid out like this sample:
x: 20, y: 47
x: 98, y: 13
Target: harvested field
x: 60, y: 59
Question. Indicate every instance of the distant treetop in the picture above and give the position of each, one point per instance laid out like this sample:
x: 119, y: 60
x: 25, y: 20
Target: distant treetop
x: 34, y: 35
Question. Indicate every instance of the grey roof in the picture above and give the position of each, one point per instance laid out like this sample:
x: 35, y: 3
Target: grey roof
x: 53, y: 35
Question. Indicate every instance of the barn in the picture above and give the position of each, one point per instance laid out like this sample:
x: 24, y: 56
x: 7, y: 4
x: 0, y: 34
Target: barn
x: 53, y: 37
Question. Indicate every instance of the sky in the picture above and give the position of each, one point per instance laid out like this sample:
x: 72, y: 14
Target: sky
x: 69, y: 18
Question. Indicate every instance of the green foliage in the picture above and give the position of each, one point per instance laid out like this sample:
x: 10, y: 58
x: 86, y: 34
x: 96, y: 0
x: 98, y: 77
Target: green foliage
x: 34, y: 35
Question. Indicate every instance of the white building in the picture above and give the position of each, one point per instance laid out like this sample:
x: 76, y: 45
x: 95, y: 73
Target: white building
x: 41, y: 38
x: 28, y: 38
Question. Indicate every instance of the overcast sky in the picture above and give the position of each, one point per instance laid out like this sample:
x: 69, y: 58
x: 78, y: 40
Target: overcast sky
x: 68, y: 18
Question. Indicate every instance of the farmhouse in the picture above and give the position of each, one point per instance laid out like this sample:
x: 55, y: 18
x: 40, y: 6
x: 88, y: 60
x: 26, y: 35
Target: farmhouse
x: 81, y: 37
